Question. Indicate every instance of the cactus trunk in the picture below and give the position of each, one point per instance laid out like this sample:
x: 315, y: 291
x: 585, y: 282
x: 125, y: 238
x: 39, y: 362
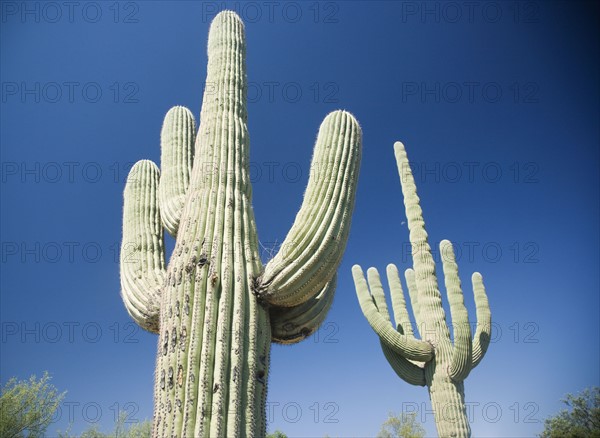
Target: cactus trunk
x: 214, y: 339
x: 215, y: 307
x: 447, y: 397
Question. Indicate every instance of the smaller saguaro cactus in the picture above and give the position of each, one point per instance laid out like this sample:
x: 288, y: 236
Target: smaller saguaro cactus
x: 435, y: 360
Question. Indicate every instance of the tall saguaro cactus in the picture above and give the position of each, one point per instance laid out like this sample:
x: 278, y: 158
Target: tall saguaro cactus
x: 435, y: 360
x: 215, y: 307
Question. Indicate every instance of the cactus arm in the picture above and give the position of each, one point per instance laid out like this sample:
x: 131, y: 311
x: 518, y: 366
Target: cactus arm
x: 430, y: 299
x: 403, y: 324
x: 482, y: 336
x: 460, y: 365
x: 312, y: 249
x: 142, y: 250
x: 407, y: 346
x: 290, y: 325
x: 377, y: 294
x: 408, y: 371
x: 177, y: 155
x: 413, y: 293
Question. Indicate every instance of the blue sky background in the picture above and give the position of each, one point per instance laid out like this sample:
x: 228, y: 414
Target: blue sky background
x: 496, y: 102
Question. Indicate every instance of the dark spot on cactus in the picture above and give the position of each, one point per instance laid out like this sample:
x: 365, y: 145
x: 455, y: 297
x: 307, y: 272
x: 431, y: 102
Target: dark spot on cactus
x: 183, y: 336
x: 166, y: 343
x: 202, y: 260
x: 192, y: 377
x: 236, y: 374
x: 216, y: 388
x: 177, y: 308
x: 305, y: 332
x: 187, y: 298
x: 213, y: 279
x: 162, y: 379
x: 260, y: 376
x: 169, y: 406
x: 230, y: 203
x: 255, y: 288
x: 174, y: 339
x: 187, y: 309
x: 263, y: 359
x: 170, y: 312
x: 178, y: 404
x: 180, y: 376
x: 171, y: 383
x: 188, y: 268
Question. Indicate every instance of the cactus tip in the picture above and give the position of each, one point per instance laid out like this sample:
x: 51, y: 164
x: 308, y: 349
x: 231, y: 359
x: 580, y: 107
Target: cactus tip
x: 398, y: 146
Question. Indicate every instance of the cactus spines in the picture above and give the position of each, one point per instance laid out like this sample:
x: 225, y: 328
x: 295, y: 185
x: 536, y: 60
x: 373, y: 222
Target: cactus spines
x: 216, y: 308
x: 436, y: 361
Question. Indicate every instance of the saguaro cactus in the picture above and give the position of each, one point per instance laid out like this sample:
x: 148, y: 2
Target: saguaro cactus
x: 215, y: 307
x: 434, y: 360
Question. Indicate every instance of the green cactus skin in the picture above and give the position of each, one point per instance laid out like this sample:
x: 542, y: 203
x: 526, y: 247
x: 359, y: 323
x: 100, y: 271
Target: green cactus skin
x: 215, y: 307
x: 435, y: 361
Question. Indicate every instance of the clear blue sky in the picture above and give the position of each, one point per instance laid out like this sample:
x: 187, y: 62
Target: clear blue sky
x: 496, y: 102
